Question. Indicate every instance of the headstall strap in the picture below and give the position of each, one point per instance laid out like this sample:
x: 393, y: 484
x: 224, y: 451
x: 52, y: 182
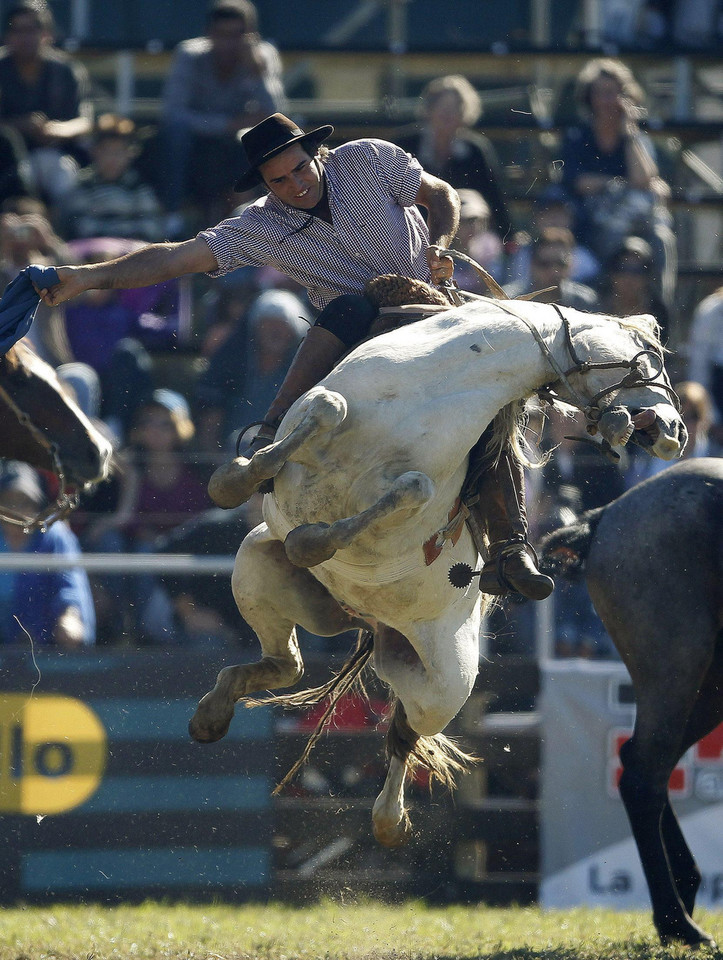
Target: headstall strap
x: 65, y: 502
x: 634, y: 378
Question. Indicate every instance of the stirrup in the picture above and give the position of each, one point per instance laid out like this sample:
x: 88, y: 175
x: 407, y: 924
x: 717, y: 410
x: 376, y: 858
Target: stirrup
x: 259, y: 436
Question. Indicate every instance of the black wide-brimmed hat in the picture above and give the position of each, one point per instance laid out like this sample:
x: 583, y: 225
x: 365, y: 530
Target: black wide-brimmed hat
x: 270, y: 137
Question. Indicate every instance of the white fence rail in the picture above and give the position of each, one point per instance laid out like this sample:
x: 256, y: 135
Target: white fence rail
x: 120, y: 562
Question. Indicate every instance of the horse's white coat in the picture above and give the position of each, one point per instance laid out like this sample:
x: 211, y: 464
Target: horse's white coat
x: 417, y: 399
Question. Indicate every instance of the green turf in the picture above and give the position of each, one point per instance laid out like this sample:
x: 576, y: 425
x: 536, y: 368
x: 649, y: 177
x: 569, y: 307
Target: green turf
x: 331, y: 931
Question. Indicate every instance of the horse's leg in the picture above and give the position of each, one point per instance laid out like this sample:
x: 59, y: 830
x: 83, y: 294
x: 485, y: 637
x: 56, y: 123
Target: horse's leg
x: 313, y: 543
x: 706, y: 715
x: 272, y: 596
x: 390, y: 821
x: 648, y: 760
x: 233, y: 483
x: 428, y: 700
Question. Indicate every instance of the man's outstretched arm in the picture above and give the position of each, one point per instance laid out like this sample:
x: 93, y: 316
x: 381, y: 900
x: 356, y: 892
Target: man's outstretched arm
x: 142, y: 268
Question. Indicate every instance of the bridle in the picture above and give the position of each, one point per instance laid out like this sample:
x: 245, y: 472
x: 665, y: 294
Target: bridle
x: 65, y: 502
x: 593, y: 409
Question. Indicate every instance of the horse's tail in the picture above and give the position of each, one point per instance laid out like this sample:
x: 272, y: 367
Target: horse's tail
x: 439, y: 755
x: 563, y: 552
x: 349, y: 677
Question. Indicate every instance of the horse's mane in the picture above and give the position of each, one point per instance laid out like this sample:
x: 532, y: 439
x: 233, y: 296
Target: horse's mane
x: 646, y: 326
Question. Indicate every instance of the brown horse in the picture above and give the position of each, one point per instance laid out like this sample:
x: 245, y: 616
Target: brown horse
x: 43, y: 426
x: 653, y: 564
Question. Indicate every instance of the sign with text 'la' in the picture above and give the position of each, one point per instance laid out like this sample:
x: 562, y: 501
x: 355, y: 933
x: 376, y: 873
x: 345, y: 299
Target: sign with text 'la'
x: 588, y: 853
x: 53, y: 752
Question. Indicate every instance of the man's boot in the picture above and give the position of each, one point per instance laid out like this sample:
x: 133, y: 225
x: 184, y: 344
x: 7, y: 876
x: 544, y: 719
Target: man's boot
x: 316, y: 356
x: 500, y: 508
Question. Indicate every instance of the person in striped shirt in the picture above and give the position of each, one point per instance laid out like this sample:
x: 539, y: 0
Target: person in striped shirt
x: 332, y: 220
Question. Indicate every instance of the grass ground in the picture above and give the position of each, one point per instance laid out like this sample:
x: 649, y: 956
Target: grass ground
x: 331, y: 931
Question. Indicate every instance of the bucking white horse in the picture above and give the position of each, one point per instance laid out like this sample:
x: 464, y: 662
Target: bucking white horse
x: 363, y: 525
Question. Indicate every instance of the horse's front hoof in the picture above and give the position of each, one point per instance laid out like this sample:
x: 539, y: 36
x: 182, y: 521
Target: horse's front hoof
x: 231, y: 484
x: 393, y: 835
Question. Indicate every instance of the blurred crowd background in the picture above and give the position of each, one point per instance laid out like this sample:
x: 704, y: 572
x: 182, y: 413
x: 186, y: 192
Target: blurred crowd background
x: 587, y: 151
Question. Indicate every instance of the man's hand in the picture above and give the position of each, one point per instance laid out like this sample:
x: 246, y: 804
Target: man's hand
x: 441, y: 268
x: 69, y: 286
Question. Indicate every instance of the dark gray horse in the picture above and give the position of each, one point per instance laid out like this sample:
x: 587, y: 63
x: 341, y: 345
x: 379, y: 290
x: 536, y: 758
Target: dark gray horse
x: 653, y: 564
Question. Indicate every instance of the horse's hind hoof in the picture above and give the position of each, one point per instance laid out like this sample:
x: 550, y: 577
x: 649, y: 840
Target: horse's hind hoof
x: 688, y: 933
x: 214, y: 712
x: 392, y: 836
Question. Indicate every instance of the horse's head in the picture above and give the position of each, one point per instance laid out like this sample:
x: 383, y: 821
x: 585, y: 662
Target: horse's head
x: 617, y: 377
x: 43, y: 425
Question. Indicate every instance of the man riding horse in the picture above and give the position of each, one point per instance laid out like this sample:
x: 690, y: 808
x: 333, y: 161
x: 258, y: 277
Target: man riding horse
x: 333, y: 220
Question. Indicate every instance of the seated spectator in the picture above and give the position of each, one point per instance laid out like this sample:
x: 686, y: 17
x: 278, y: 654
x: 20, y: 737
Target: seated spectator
x: 553, y: 208
x: 15, y: 175
x: 576, y: 478
x: 218, y: 86
x: 551, y: 266
x: 98, y: 319
x: 45, y: 96
x: 53, y: 608
x: 629, y: 287
x: 477, y: 240
x: 27, y: 236
x: 610, y: 169
x: 705, y: 358
x: 110, y: 199
x: 243, y: 377
x: 448, y: 147
x: 169, y: 490
x: 204, y: 607
x: 168, y: 493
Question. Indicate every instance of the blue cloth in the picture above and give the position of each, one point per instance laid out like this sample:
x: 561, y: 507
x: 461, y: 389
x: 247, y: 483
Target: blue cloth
x: 38, y: 598
x: 20, y: 301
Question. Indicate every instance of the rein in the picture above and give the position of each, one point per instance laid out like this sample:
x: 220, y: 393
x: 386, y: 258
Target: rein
x: 64, y: 502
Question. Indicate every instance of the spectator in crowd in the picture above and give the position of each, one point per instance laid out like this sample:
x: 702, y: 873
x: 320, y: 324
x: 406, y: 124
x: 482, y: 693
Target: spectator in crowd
x: 99, y: 319
x: 110, y: 199
x: 448, y: 146
x: 609, y: 167
x: 551, y: 266
x: 45, y: 96
x: 243, y: 378
x: 705, y: 358
x: 204, y: 607
x: 53, y: 608
x: 222, y: 306
x: 218, y: 86
x: 27, y: 236
x: 629, y: 287
x: 476, y: 238
x: 552, y: 208
x: 168, y: 492
x: 576, y: 478
x: 15, y: 174
x: 333, y: 221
